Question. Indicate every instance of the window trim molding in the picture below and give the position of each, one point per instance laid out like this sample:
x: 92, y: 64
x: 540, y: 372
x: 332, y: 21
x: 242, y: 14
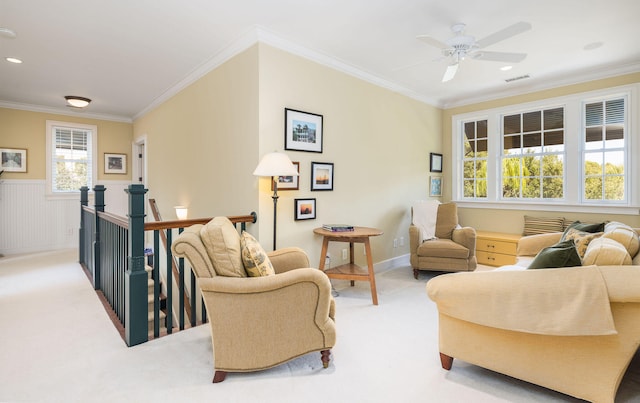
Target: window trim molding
x: 572, y: 104
x: 50, y: 124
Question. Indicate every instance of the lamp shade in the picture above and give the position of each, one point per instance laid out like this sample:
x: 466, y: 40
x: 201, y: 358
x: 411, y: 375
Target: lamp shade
x: 181, y: 212
x: 275, y: 164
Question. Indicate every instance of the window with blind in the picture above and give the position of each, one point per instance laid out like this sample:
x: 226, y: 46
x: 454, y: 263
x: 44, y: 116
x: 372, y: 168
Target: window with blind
x: 71, y: 157
x: 533, y: 154
x: 605, y: 150
x: 562, y: 153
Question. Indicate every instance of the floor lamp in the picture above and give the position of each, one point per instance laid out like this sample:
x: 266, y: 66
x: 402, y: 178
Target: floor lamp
x: 274, y: 165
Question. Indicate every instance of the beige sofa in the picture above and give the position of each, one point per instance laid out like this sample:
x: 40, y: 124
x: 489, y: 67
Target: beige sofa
x: 570, y: 329
x: 257, y: 322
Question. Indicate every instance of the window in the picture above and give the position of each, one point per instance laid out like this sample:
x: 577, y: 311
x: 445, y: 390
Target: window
x: 604, y: 152
x: 474, y: 161
x: 533, y: 154
x: 71, y: 149
x: 568, y: 153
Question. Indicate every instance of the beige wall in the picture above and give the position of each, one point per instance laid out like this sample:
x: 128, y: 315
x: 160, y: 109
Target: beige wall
x: 202, y: 144
x: 513, y: 220
x: 26, y: 129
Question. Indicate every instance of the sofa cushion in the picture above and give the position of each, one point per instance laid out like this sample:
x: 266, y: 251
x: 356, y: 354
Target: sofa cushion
x: 222, y: 242
x: 255, y: 259
x: 562, y: 254
x: 542, y: 225
x: 623, y: 234
x: 443, y: 248
x: 447, y: 220
x: 586, y: 227
x: 580, y: 238
x: 604, y: 251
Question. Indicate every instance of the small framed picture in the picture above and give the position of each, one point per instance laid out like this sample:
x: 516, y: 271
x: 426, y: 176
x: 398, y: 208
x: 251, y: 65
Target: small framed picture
x: 302, y: 131
x: 305, y: 209
x: 435, y: 186
x: 321, y: 176
x: 13, y: 159
x: 288, y: 182
x: 115, y: 163
x: 435, y: 162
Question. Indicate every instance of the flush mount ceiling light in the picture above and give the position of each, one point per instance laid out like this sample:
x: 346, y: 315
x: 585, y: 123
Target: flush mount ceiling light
x: 13, y: 60
x: 77, y: 102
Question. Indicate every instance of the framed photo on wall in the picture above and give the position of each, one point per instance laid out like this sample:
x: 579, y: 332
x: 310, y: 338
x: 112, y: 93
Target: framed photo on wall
x: 305, y: 209
x: 435, y: 186
x: 288, y: 182
x: 302, y: 131
x: 321, y: 176
x: 13, y: 159
x: 115, y: 163
x: 435, y: 162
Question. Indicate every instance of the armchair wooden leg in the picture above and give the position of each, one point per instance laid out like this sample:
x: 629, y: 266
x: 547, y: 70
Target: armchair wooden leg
x: 415, y: 273
x: 219, y: 376
x: 325, y: 357
x: 446, y: 361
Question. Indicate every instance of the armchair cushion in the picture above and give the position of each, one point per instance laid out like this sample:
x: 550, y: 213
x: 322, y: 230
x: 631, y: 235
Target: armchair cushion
x: 447, y: 220
x: 255, y: 259
x: 222, y: 243
x: 445, y: 248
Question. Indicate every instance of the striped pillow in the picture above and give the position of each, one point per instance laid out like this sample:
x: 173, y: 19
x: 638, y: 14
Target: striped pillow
x: 542, y: 225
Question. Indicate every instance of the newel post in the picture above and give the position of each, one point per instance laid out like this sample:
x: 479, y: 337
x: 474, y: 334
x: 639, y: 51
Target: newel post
x: 84, y: 201
x: 136, y: 291
x: 99, y: 207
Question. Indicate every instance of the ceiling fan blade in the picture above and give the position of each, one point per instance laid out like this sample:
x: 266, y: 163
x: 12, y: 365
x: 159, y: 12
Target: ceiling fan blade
x: 450, y: 72
x: 500, y: 56
x: 432, y: 41
x: 503, y: 34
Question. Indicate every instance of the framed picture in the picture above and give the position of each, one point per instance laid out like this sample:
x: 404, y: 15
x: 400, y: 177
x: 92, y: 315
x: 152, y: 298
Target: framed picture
x: 435, y: 162
x: 435, y: 186
x: 115, y: 163
x: 302, y: 131
x: 288, y: 182
x: 13, y: 159
x: 321, y: 176
x: 305, y: 209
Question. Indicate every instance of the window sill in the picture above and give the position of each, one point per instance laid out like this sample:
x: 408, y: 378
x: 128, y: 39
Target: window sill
x: 572, y: 208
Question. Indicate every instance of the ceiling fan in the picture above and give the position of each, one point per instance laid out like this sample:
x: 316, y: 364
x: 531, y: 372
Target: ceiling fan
x: 461, y: 46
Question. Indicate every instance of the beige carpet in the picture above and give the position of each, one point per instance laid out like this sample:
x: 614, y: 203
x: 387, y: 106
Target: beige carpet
x: 57, y: 344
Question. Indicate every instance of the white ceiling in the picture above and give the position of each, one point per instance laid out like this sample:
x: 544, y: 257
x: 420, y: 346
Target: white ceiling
x: 129, y: 55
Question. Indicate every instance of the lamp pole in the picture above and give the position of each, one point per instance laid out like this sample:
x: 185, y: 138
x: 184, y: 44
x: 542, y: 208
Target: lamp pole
x: 275, y: 209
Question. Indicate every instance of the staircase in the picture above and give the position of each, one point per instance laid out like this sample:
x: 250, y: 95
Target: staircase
x: 163, y: 303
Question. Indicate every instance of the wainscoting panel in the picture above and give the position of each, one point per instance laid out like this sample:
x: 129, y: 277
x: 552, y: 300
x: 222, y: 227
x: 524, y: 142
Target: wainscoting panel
x: 29, y: 222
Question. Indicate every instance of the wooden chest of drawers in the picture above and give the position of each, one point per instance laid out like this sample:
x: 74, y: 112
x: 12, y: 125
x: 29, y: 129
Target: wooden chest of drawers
x: 496, y: 248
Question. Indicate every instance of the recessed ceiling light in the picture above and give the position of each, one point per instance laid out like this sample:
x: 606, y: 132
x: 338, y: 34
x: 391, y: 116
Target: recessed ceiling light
x: 506, y: 68
x: 13, y: 60
x: 77, y: 102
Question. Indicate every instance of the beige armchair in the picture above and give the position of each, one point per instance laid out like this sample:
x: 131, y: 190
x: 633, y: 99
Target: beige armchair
x: 452, y: 249
x: 257, y: 322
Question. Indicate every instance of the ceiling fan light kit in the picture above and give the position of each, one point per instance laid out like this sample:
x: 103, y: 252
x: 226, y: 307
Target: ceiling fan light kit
x: 461, y: 46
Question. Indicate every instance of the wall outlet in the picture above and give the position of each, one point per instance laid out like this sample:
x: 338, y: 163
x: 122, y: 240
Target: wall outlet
x: 327, y: 261
x: 344, y: 254
x: 401, y: 241
x: 395, y: 242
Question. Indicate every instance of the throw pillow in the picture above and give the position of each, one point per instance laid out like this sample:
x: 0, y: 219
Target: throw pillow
x: 447, y: 220
x: 580, y: 238
x: 624, y: 234
x: 585, y: 227
x: 604, y: 252
x: 562, y: 254
x: 542, y: 225
x: 255, y: 259
x: 222, y: 241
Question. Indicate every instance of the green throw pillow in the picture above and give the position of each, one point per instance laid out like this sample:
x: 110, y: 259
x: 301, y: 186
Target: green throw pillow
x: 584, y: 227
x: 562, y: 254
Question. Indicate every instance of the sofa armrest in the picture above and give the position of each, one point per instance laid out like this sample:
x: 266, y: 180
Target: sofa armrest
x: 286, y: 259
x: 532, y: 244
x: 466, y: 237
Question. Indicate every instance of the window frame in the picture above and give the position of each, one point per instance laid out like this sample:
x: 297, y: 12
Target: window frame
x: 93, y: 157
x: 574, y: 144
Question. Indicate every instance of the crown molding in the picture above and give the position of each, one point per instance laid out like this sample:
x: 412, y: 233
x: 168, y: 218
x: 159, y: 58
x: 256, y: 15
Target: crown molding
x: 64, y: 111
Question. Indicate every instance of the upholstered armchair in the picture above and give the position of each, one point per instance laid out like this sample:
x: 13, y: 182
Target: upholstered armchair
x: 445, y: 246
x: 257, y: 322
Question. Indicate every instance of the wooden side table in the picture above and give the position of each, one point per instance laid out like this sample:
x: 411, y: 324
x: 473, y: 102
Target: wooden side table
x: 496, y: 248
x: 351, y: 271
